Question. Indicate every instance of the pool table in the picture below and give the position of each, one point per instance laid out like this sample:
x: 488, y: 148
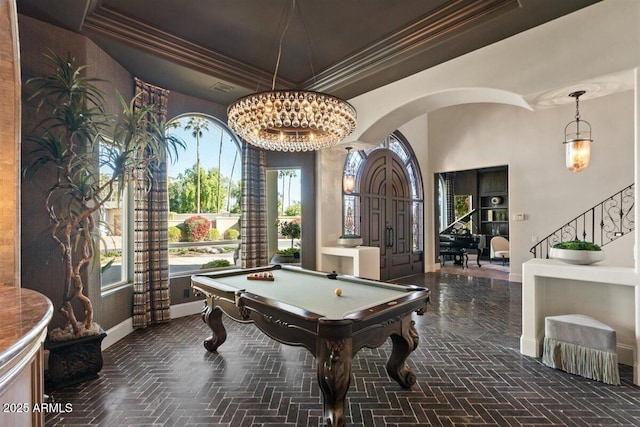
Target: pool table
x: 301, y: 307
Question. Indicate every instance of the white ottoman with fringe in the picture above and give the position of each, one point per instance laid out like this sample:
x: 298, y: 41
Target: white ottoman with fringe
x: 581, y: 345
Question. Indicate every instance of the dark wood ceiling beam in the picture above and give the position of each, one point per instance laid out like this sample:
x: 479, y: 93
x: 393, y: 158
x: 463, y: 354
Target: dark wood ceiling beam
x: 139, y: 34
x: 452, y: 18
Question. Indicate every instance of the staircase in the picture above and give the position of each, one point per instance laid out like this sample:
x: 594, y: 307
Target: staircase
x: 602, y: 224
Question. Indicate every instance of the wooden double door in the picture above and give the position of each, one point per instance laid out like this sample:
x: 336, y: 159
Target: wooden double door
x: 387, y: 219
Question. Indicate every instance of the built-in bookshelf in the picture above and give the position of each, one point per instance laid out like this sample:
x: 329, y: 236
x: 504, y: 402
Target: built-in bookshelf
x: 494, y: 202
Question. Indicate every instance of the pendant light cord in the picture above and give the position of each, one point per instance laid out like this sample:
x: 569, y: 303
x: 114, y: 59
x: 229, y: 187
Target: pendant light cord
x: 284, y: 31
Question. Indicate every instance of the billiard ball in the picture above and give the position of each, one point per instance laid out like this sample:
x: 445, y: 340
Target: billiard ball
x: 338, y: 291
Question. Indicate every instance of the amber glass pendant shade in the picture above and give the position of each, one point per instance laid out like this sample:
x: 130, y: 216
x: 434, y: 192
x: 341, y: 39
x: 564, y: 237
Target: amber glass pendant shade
x: 577, y: 143
x: 578, y: 154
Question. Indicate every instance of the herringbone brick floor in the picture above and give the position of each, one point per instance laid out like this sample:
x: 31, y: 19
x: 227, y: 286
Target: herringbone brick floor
x: 469, y: 369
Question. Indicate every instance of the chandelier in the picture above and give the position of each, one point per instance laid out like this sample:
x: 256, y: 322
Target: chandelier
x: 291, y: 120
x: 578, y: 143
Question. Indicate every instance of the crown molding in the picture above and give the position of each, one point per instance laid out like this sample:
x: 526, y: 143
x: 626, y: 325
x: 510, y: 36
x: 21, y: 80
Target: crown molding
x: 453, y: 17
x: 415, y: 38
x: 139, y: 34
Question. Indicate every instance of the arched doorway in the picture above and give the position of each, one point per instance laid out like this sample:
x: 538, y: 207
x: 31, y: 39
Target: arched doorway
x: 386, y: 208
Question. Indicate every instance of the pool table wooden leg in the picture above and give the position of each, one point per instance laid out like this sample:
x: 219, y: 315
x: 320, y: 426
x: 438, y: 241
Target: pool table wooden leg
x: 403, y: 344
x: 334, y: 376
x: 212, y: 316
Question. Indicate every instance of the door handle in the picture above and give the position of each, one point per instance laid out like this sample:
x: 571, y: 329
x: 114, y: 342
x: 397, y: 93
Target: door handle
x: 389, y: 237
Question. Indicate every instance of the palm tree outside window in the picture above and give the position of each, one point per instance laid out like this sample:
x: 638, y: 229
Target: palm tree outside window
x: 204, y: 196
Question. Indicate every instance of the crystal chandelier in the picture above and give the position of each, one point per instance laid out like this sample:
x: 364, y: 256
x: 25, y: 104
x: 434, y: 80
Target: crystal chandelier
x: 578, y: 143
x: 291, y: 120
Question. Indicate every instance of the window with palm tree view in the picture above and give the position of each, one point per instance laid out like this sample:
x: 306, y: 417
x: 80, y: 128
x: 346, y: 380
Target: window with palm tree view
x: 204, y: 196
x: 204, y: 203
x: 289, y: 216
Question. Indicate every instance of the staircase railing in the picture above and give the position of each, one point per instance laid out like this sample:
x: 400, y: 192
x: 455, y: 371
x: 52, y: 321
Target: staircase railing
x: 602, y: 224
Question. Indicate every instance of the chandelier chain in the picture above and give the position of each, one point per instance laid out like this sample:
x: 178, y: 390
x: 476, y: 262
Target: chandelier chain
x: 284, y: 32
x: 291, y: 119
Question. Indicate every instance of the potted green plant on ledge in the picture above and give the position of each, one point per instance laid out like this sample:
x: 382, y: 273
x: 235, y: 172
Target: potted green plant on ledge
x: 350, y: 240
x: 290, y: 230
x: 577, y: 252
x: 75, y: 139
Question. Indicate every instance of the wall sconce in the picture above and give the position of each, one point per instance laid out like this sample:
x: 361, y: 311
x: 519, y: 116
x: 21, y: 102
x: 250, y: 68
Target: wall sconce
x: 349, y: 177
x: 578, y: 143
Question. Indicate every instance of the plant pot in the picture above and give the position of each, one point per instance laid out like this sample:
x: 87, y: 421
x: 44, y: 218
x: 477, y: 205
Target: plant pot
x: 285, y: 258
x: 350, y: 242
x: 571, y: 256
x: 73, y: 361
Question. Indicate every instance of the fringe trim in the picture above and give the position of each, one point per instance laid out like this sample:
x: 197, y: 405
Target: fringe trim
x: 584, y: 361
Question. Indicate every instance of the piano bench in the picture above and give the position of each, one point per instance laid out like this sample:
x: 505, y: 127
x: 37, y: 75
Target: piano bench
x: 462, y: 253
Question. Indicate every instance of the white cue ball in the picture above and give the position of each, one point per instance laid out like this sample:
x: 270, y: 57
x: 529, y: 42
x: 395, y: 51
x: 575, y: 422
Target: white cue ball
x: 338, y: 291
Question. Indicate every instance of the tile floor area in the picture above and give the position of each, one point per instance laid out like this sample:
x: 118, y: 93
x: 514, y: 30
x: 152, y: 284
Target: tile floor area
x: 469, y: 369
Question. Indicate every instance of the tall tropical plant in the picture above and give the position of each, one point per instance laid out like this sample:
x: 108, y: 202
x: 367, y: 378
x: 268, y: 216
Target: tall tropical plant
x: 291, y: 173
x: 219, y: 171
x: 229, y: 191
x: 197, y: 125
x: 74, y: 140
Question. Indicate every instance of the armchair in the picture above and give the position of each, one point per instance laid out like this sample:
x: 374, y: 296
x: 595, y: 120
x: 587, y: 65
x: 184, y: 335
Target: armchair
x: 499, y: 249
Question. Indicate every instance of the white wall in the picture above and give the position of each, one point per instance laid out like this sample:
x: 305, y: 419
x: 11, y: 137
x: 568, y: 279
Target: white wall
x: 329, y: 166
x: 530, y: 143
x: 593, y: 42
x: 515, y: 73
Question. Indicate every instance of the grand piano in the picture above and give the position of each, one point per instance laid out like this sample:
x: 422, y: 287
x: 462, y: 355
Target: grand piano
x: 456, y: 241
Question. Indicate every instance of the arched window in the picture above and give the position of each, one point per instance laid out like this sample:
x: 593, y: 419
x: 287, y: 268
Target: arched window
x: 354, y: 163
x: 443, y: 220
x: 204, y: 195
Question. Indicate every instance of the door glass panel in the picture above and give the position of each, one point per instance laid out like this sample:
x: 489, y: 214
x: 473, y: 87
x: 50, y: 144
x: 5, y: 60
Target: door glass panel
x: 351, y: 212
x: 397, y: 148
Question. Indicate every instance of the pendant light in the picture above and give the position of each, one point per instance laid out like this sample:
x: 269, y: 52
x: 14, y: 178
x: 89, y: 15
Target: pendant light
x: 349, y: 177
x: 578, y: 143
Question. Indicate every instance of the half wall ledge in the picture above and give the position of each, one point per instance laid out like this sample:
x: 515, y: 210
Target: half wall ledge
x: 607, y: 293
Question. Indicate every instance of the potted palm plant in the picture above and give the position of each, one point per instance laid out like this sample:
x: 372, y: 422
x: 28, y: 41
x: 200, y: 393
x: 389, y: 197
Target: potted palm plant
x: 75, y: 138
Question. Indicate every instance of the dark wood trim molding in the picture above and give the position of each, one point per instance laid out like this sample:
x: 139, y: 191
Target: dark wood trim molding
x: 139, y: 34
x: 410, y: 40
x: 453, y: 17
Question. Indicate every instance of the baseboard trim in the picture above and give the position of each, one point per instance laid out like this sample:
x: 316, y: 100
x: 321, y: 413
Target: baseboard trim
x: 117, y: 332
x: 125, y: 327
x: 186, y: 309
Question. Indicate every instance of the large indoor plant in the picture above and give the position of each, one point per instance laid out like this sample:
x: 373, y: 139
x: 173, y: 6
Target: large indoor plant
x: 74, y: 140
